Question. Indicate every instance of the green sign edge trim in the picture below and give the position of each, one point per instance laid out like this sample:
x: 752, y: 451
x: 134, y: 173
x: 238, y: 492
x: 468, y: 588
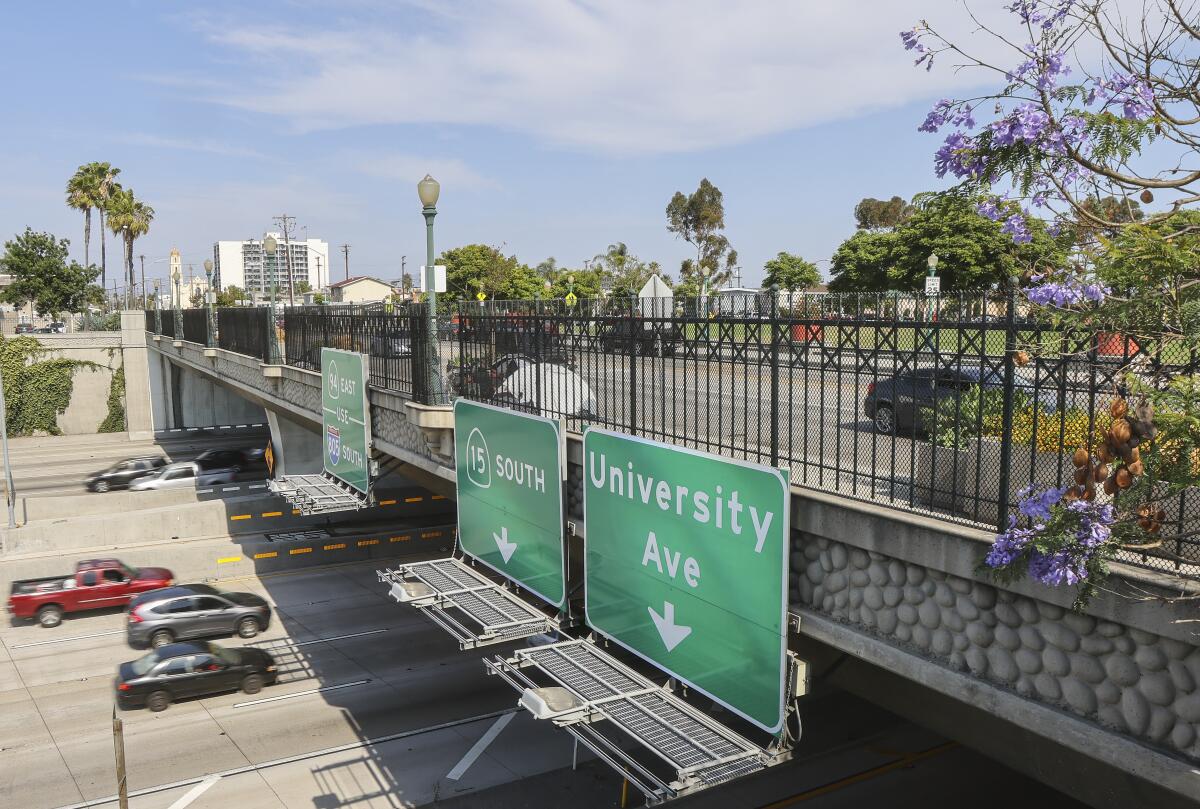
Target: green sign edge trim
x: 785, y: 549
x: 367, y: 430
x: 562, y: 550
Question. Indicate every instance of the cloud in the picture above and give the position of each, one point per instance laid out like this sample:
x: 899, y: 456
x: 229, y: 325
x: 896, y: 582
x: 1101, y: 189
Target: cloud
x: 407, y: 168
x: 609, y: 76
x: 187, y: 144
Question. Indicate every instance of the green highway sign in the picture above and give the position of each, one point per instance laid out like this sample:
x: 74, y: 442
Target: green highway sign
x: 686, y: 565
x: 508, y: 467
x: 346, y: 417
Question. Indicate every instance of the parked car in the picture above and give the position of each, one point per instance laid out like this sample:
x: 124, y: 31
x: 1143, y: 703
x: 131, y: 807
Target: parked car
x: 192, y: 611
x: 392, y: 345
x: 895, y: 404
x: 546, y: 388
x: 96, y: 584
x: 58, y: 327
x: 638, y: 336
x: 183, y: 475
x: 180, y: 670
x: 122, y: 473
x: 43, y: 330
x: 24, y: 328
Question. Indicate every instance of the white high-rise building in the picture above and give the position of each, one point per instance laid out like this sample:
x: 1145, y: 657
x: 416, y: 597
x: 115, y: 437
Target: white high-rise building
x: 242, y: 264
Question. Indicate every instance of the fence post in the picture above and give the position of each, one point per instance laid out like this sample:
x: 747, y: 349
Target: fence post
x: 774, y: 376
x: 1010, y: 347
x: 635, y: 344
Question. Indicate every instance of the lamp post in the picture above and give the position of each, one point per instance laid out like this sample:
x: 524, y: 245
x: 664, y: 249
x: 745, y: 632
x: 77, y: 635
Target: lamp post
x: 10, y: 495
x: 208, y: 294
x: 270, y: 245
x: 176, y: 276
x: 931, y: 265
x: 428, y: 191
x: 157, y: 311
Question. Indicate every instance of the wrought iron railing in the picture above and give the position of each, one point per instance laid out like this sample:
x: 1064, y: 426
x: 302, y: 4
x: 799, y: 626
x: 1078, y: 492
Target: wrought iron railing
x: 245, y: 330
x: 195, y: 325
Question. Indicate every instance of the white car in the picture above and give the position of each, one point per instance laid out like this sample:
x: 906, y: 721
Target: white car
x: 559, y: 389
x: 182, y: 476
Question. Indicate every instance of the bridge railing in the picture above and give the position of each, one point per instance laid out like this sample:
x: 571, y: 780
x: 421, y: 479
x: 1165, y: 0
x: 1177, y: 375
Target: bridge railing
x: 246, y: 330
x: 195, y: 325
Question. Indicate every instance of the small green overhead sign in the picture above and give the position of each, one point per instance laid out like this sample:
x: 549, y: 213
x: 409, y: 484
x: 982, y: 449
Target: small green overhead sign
x: 686, y: 566
x: 346, y: 417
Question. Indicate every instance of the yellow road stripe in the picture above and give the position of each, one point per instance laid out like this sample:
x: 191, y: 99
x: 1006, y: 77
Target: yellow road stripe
x: 267, y: 555
x: 295, y: 551
x: 272, y: 513
x: 413, y: 499
x: 339, y: 546
x: 295, y: 512
x: 387, y: 502
x: 438, y: 497
x: 431, y: 534
x: 226, y: 559
x: 362, y: 543
x: 240, y: 517
x: 404, y: 538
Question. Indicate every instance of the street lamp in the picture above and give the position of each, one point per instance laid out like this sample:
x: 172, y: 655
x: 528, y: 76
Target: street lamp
x: 270, y: 245
x: 157, y: 311
x: 428, y: 191
x: 175, y: 276
x: 208, y: 293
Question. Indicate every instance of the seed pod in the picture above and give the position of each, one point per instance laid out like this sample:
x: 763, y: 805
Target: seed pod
x: 1021, y: 358
x: 1100, y: 472
x: 1124, y: 478
x: 1118, y: 408
x: 1145, y: 523
x: 1146, y: 196
x: 1136, y: 468
x: 1082, y: 475
x: 1135, y: 455
x: 1081, y: 458
x: 1072, y: 493
x: 1126, y: 454
x: 1120, y: 431
x: 1104, y: 453
x: 1110, y: 485
x: 1089, y: 492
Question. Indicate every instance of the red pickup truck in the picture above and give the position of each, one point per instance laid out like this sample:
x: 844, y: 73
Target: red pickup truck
x: 96, y: 584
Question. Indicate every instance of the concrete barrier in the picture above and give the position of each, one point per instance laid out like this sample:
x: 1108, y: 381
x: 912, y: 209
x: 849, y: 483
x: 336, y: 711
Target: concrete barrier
x: 33, y: 509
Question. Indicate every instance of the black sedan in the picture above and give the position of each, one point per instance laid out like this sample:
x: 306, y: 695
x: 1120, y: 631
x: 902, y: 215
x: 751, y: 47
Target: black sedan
x: 181, y: 670
x: 122, y: 473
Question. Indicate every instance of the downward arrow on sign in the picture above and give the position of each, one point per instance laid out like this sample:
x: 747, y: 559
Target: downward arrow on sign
x: 507, y: 549
x: 672, y: 634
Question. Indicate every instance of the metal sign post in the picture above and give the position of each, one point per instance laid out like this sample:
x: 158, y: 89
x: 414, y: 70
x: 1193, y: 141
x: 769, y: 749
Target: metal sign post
x: 686, y: 565
x: 346, y: 418
x: 509, y: 478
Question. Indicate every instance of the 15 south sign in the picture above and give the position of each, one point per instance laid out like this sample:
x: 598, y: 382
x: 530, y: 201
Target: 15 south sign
x: 508, y: 467
x: 345, y: 417
x: 686, y: 565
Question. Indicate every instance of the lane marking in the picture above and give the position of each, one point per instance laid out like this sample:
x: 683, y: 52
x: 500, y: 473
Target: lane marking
x: 195, y: 792
x: 280, y: 762
x: 337, y: 546
x: 204, y: 491
x: 404, y: 538
x: 230, y: 488
x: 310, y: 691
x: 272, y: 513
x: 438, y: 497
x: 64, y: 640
x: 340, y: 637
x: 477, y: 749
x: 267, y: 555
x: 431, y: 534
x: 387, y: 502
x: 413, y: 499
x: 224, y: 560
x: 295, y: 551
x: 240, y: 517
x: 295, y: 511
x: 258, y: 486
x: 362, y: 543
x: 192, y: 429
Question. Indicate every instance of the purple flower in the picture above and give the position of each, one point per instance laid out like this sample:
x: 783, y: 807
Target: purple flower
x: 1016, y: 227
x: 990, y: 209
x: 1068, y: 292
x: 1007, y: 547
x: 1036, y: 505
x: 1057, y: 569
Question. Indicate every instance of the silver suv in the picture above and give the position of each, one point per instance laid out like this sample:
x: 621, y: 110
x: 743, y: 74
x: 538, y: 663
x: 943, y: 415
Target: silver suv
x: 186, y: 611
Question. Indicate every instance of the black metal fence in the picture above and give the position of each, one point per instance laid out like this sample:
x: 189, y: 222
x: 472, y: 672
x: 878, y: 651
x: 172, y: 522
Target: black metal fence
x: 245, y: 330
x: 195, y: 326
x: 387, y: 335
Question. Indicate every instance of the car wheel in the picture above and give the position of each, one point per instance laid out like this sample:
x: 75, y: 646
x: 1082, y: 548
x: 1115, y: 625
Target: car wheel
x: 102, y: 486
x: 252, y: 683
x: 50, y: 616
x: 885, y: 419
x: 161, y: 638
x: 247, y: 628
x: 158, y: 701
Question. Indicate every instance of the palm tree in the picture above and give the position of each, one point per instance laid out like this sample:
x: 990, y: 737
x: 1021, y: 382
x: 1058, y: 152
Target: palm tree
x: 130, y: 218
x: 80, y: 196
x: 102, y: 179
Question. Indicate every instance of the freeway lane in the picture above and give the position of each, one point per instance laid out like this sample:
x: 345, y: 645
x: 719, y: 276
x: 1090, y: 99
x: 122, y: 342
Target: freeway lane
x: 335, y: 627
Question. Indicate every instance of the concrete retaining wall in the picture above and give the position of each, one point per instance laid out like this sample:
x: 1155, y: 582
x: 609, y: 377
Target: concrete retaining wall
x: 90, y: 385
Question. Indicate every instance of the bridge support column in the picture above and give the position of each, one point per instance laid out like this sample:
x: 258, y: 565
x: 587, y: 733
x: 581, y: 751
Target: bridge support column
x: 297, y: 448
x: 135, y: 359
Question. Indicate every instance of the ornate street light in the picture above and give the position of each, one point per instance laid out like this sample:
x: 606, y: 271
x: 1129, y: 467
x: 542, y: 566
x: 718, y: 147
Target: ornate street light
x: 270, y: 245
x: 208, y: 294
x: 428, y: 190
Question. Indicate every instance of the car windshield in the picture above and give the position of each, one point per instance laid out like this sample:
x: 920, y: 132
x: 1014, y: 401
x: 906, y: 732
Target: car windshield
x: 143, y: 664
x: 227, y: 656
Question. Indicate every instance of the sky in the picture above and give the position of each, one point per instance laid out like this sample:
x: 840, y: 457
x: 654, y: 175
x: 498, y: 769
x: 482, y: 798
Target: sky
x: 556, y: 127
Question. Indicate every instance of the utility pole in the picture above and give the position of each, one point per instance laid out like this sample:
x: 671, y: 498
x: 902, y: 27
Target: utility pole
x: 320, y: 285
x: 346, y: 255
x: 143, y: 259
x: 119, y: 752
x: 287, y: 223
x: 403, y: 261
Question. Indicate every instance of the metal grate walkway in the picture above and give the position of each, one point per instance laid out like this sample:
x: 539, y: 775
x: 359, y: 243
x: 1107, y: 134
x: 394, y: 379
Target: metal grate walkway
x: 317, y: 494
x: 474, y: 609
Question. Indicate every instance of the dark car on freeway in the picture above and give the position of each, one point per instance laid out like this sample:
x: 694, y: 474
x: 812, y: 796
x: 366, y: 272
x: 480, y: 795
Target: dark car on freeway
x: 122, y: 473
x: 639, y: 336
x: 180, y: 670
x: 161, y: 617
x: 25, y: 328
x: 896, y: 404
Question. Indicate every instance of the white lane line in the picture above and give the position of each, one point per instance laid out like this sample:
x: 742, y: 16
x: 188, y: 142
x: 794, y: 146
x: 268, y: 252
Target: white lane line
x: 64, y: 640
x: 195, y: 792
x: 230, y: 488
x: 340, y: 637
x: 204, y: 491
x: 477, y: 749
x: 192, y: 429
x: 279, y: 762
x: 301, y: 693
x: 258, y: 486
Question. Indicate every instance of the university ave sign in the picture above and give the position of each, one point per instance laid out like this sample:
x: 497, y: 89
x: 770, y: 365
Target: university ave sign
x: 686, y: 566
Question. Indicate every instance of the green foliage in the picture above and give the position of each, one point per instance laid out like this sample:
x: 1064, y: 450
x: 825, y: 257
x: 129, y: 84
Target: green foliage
x: 627, y: 273
x: 974, y: 252
x: 230, y: 295
x: 956, y: 420
x: 36, y: 392
x: 114, y: 422
x: 476, y: 268
x: 789, y: 271
x: 40, y: 273
x: 878, y: 214
x: 587, y: 283
x: 699, y: 219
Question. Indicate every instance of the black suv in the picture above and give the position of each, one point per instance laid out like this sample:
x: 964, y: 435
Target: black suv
x: 638, y: 336
x: 895, y: 404
x: 122, y: 473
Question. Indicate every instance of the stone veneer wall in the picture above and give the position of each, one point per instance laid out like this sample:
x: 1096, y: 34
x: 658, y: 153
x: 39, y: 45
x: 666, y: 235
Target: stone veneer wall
x: 1125, y: 679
